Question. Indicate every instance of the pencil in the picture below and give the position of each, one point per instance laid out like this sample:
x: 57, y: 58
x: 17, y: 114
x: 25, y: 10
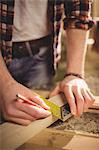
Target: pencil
x: 19, y: 96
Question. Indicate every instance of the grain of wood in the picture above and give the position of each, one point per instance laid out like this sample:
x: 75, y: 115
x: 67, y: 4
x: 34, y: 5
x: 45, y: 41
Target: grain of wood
x: 13, y: 135
x: 56, y: 139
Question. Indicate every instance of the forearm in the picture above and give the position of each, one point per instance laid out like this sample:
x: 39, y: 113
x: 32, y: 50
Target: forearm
x: 76, y: 50
x: 5, y: 76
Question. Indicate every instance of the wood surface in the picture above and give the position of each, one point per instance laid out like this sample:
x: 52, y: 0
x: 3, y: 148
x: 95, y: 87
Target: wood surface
x: 95, y: 107
x: 52, y: 139
x: 13, y: 135
x: 96, y: 103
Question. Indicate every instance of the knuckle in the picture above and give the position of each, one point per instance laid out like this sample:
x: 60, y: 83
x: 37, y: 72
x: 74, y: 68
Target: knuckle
x: 81, y: 99
x: 41, y: 101
x: 90, y: 101
x: 66, y: 87
x: 75, y: 87
x: 71, y: 100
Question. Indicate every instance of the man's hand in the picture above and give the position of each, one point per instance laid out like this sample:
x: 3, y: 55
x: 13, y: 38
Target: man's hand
x: 18, y: 112
x: 77, y: 94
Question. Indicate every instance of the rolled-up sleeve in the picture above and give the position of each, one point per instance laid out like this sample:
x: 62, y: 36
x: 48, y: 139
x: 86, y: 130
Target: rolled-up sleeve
x: 78, y: 14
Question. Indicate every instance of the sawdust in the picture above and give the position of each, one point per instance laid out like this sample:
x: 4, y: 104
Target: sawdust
x: 88, y: 122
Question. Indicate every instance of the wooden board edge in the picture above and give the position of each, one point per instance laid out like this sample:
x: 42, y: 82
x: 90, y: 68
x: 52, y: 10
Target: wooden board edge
x: 12, y: 135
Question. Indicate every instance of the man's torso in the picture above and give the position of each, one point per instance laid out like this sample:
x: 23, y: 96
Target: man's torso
x: 30, y: 20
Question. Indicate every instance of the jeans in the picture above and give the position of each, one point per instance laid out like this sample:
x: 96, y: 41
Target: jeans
x: 35, y: 71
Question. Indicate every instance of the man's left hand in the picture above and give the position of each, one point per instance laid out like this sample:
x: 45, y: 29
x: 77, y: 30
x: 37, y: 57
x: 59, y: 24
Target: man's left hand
x: 77, y: 94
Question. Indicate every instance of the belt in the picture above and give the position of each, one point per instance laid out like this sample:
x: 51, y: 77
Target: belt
x: 30, y: 48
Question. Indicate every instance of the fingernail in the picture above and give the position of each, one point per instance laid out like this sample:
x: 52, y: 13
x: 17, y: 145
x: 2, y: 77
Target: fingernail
x: 73, y: 113
x: 49, y: 112
x: 46, y: 106
x: 37, y: 97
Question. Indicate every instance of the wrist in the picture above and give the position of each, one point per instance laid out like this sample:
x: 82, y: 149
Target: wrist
x: 75, y: 65
x: 78, y: 75
x: 6, y: 84
x: 76, y: 71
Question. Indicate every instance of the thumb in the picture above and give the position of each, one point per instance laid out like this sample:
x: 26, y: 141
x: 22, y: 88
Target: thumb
x: 55, y: 91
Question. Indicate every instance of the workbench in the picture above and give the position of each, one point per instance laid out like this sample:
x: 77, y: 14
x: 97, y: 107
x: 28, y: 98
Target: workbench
x: 14, y: 136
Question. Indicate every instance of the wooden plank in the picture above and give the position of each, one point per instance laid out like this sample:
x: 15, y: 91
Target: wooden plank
x: 45, y: 94
x: 56, y: 139
x: 93, y: 111
x: 96, y: 18
x: 13, y: 135
x: 95, y: 107
x: 96, y: 103
x: 79, y: 142
x: 95, y: 11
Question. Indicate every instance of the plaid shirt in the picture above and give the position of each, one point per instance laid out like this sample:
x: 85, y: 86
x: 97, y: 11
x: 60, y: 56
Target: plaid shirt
x: 76, y: 15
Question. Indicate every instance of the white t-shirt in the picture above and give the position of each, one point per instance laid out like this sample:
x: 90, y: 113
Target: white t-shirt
x: 30, y: 20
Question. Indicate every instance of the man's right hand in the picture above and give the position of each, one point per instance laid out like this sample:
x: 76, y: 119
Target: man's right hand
x: 18, y: 112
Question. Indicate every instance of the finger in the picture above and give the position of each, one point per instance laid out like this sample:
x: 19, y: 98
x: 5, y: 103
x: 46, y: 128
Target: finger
x: 79, y: 100
x: 19, y: 121
x: 92, y: 96
x: 20, y: 114
x: 71, y: 99
x: 88, y: 99
x: 38, y: 100
x: 34, y: 111
x: 13, y: 111
x: 55, y: 91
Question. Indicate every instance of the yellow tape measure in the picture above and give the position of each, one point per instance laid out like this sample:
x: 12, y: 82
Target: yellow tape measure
x: 53, y: 107
x: 59, y: 106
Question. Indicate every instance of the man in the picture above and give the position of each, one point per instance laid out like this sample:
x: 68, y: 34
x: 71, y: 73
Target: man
x: 32, y: 26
